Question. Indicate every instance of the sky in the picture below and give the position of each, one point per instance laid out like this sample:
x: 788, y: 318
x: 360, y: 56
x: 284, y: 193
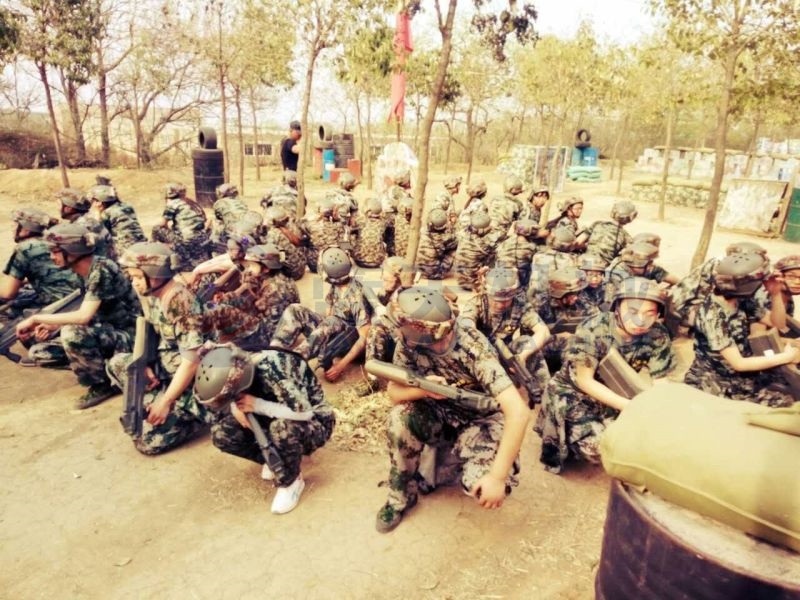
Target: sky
x: 622, y: 21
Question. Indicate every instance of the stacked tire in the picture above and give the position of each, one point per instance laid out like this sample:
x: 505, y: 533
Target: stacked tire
x: 344, y: 149
x: 208, y: 166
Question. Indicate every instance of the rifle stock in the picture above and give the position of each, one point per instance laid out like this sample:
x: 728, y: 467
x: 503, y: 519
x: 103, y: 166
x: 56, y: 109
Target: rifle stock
x: 144, y: 353
x: 271, y: 457
x: 403, y: 376
x: 567, y: 324
x: 620, y: 377
x: 338, y: 346
x: 515, y: 368
x: 207, y: 293
x: 8, y: 337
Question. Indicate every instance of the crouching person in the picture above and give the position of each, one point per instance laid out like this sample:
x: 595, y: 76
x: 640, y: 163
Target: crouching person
x: 485, y: 439
x: 173, y: 416
x: 274, y: 391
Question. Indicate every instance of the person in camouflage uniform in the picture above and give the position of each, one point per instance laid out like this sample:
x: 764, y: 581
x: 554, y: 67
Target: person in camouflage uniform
x: 437, y: 246
x: 788, y: 269
x: 636, y: 260
x: 724, y: 364
x: 606, y: 239
x: 446, y: 200
x: 476, y: 202
x: 174, y: 417
x: 116, y: 216
x: 280, y: 392
x: 483, y: 440
x: 533, y: 209
x: 475, y: 250
x: 283, y: 196
x: 505, y: 209
x: 498, y: 311
x: 346, y: 307
x: 282, y: 233
x: 578, y: 406
x: 344, y: 201
x: 402, y: 225
x: 594, y: 268
x: 556, y: 255
x: 74, y: 207
x: 517, y: 250
x: 103, y: 325
x: 370, y: 249
x: 228, y: 210
x: 390, y: 202
x: 322, y: 231
x: 570, y: 211
x: 183, y: 227
x: 30, y: 261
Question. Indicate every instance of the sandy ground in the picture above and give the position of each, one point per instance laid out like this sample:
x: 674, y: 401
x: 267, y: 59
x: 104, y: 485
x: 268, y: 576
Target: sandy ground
x: 83, y: 515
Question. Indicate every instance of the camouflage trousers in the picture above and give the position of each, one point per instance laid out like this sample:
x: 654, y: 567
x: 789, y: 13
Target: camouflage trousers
x: 554, y: 351
x: 439, y: 268
x: 191, y: 252
x: 467, y: 267
x: 570, y: 424
x: 86, y: 347
x: 537, y: 367
x: 765, y: 387
x: 318, y: 331
x: 381, y: 340
x: 472, y: 439
x: 186, y: 420
x: 291, y: 439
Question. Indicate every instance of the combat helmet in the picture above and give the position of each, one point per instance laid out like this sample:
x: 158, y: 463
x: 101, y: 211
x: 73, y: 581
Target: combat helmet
x: 591, y: 262
x: 788, y: 263
x: 527, y: 228
x: 477, y: 189
x: 75, y: 199
x: 105, y: 194
x: 290, y: 179
x: 542, y: 191
x: 156, y: 260
x: 623, y: 212
x: 347, y: 182
x: 335, y: 265
x: 72, y: 238
x: 246, y: 230
x: 568, y: 203
x: 175, y: 190
x: 562, y: 239
x: 406, y: 206
x: 326, y: 208
x: 452, y: 183
x: 512, y: 185
x: 567, y: 280
x: 373, y: 208
x: 276, y: 216
x: 443, y: 200
x: 32, y: 219
x: 227, y: 190
x: 424, y: 316
x: 437, y: 220
x: 267, y: 255
x: 639, y: 254
x: 224, y: 372
x: 740, y: 275
x: 648, y: 238
x: 402, y: 177
x: 639, y: 288
x: 501, y: 283
x: 745, y: 248
x: 480, y: 223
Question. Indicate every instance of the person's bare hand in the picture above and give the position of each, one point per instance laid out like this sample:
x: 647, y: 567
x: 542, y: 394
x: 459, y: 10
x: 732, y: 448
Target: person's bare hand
x: 489, y: 491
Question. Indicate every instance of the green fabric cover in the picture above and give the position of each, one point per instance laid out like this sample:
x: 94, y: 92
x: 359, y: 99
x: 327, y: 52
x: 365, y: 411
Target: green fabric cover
x: 701, y: 452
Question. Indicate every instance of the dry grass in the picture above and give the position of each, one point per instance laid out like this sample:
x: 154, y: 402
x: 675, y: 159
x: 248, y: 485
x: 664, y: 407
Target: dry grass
x: 360, y: 420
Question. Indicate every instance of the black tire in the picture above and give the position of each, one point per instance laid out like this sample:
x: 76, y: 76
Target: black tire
x: 207, y: 138
x: 324, y: 132
x: 583, y: 135
x: 642, y: 559
x: 583, y: 145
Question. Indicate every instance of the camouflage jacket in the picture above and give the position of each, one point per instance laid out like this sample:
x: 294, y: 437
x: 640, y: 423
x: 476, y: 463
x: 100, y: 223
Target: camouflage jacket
x: 370, y: 250
x: 402, y: 231
x: 31, y: 260
x: 515, y: 251
x: 716, y: 327
x: 104, y: 244
x: 187, y: 218
x: 550, y: 312
x: 346, y: 301
x: 323, y: 232
x: 178, y: 324
x: 284, y: 197
x: 433, y: 245
x: 294, y: 256
x: 503, y: 211
x: 606, y: 239
x: 121, y: 221
x: 519, y: 316
x: 228, y: 211
x: 119, y: 304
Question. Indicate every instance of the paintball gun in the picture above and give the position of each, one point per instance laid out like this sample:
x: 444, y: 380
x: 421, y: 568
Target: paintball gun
x: 271, y: 457
x: 769, y: 344
x: 620, y: 377
x: 378, y: 309
x: 8, y: 335
x: 567, y: 324
x: 403, y: 376
x: 228, y: 278
x: 144, y: 353
x: 337, y: 347
x: 515, y: 368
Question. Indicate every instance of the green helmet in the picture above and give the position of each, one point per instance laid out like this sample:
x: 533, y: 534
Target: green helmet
x: 512, y: 185
x: 267, y: 255
x: 74, y: 199
x: 745, y: 248
x: 740, y: 274
x: 373, y: 208
x: 638, y: 288
x: 224, y: 372
x: 624, y: 212
x: 562, y: 239
x: 72, y: 238
x: 567, y: 280
x: 527, y: 228
x: 347, y: 181
x: 442, y: 201
x: 276, y: 216
x: 335, y: 265
x: 175, y: 190
x: 227, y: 190
x: 406, y: 206
x: 247, y: 229
x: 565, y: 205
x: 477, y: 189
x: 648, y: 238
x: 592, y: 262
x: 424, y: 315
x: 788, y: 263
x: 437, y: 220
x: 102, y: 180
x: 326, y: 207
x: 402, y: 177
x: 33, y: 219
x: 639, y: 254
x: 104, y: 194
x: 156, y: 260
x: 290, y: 178
x: 452, y: 183
x: 501, y: 283
x: 543, y: 191
x: 480, y: 223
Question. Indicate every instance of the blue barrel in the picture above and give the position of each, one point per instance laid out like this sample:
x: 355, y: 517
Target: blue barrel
x: 792, y: 231
x: 328, y: 163
x: 577, y: 157
x: 589, y: 157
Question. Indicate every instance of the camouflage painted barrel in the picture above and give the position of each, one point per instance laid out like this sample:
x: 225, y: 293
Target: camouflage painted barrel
x: 209, y: 167
x: 792, y: 231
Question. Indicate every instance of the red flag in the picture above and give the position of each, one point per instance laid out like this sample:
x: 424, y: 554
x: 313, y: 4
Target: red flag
x: 402, y: 47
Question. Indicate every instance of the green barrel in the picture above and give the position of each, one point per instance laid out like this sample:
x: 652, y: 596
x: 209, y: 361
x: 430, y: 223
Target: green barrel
x: 792, y: 231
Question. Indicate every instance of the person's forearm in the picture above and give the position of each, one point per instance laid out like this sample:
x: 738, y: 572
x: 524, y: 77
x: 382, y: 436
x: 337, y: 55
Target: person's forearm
x: 601, y: 393
x: 399, y: 393
x: 516, y: 416
x: 777, y: 314
x: 183, y: 378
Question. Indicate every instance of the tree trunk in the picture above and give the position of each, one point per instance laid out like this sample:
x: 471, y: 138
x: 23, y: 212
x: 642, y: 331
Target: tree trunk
x: 102, y: 92
x: 369, y: 143
x: 226, y: 163
x: 301, y: 186
x: 617, y: 142
x: 53, y: 124
x: 469, y: 151
x: 238, y: 100
x: 446, y: 30
x: 255, y: 133
x: 752, y: 148
x: 71, y: 96
x: 662, y: 200
x: 619, y: 176
x: 731, y: 61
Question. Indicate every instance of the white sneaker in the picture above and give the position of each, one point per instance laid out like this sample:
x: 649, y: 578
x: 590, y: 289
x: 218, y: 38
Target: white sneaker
x: 266, y: 473
x: 286, y: 498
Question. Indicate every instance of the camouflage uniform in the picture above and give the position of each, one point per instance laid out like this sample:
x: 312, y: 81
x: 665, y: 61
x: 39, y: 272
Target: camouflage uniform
x: 718, y: 326
x: 468, y: 435
x: 473, y: 252
x: 178, y: 326
x: 593, y: 296
x: 227, y: 213
x: 436, y: 252
x: 284, y: 196
x: 322, y: 232
x: 345, y: 204
x: 187, y: 234
x: 545, y: 261
x: 347, y: 308
x: 473, y: 205
x: 402, y: 230
x: 31, y: 260
x: 619, y: 270
x: 607, y: 239
x: 550, y: 312
x: 503, y: 211
x: 370, y: 250
x: 294, y: 256
x: 390, y: 202
x: 571, y: 422
x: 111, y: 330
x: 120, y: 220
x: 446, y: 201
x: 516, y: 252
x: 567, y: 222
x: 104, y: 244
x: 282, y: 377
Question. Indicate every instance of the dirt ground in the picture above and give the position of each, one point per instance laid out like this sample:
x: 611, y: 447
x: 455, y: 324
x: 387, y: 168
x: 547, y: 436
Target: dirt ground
x: 83, y: 515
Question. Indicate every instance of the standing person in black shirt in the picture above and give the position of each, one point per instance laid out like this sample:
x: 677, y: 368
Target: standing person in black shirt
x: 290, y: 148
